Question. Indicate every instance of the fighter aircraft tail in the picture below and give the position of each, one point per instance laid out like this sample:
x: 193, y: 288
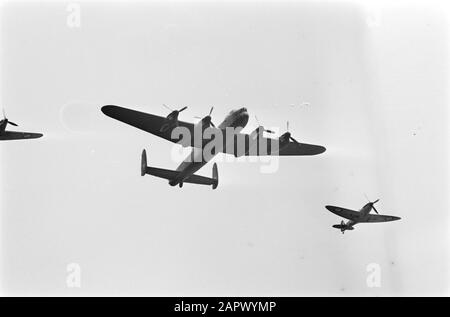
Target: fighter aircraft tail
x: 173, y: 176
x: 342, y: 226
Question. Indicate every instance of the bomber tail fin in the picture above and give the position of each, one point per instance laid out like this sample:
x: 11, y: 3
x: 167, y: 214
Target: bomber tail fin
x: 158, y: 172
x: 143, y: 162
x: 202, y: 180
x: 215, y: 176
x: 172, y: 176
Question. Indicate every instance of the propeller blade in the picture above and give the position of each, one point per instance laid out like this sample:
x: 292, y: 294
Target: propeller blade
x: 376, y: 201
x: 367, y: 197
x: 287, y: 126
x: 264, y: 129
x: 205, y: 119
x: 294, y: 140
x: 375, y: 209
x: 182, y: 109
x: 4, y: 115
x: 167, y: 107
x: 12, y: 123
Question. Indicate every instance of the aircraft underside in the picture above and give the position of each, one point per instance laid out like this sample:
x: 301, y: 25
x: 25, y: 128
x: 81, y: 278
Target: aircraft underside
x: 180, y: 177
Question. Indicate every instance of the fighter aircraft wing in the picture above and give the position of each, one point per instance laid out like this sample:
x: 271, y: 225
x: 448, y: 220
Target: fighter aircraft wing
x: 147, y: 122
x: 380, y: 218
x: 12, y: 135
x: 344, y: 213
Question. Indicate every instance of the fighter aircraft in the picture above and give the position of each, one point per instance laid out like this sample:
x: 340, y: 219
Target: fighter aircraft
x: 12, y: 135
x: 358, y: 216
x: 236, y: 143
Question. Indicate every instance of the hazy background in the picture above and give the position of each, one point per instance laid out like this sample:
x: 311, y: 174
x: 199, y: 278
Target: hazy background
x: 375, y: 76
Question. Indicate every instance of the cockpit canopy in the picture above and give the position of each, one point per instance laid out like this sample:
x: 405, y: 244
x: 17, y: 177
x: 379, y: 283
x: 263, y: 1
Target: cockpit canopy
x: 240, y: 110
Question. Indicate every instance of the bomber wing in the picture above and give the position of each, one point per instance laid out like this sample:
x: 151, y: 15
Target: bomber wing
x: 147, y: 122
x: 247, y: 145
x: 13, y: 135
x: 237, y: 144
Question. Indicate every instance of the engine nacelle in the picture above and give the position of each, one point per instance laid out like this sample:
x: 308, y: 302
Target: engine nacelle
x: 253, y: 141
x: 284, y: 140
x: 170, y: 122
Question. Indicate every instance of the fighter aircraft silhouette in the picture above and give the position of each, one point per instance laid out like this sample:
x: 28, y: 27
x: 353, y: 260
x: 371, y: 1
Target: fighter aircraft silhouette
x: 12, y: 135
x: 358, y: 216
x: 237, y: 144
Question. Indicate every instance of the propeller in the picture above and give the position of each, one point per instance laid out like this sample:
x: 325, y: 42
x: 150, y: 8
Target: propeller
x: 174, y: 112
x: 207, y: 119
x: 372, y: 203
x: 261, y: 127
x: 374, y: 206
x: 171, y: 119
x: 7, y: 121
x: 288, y: 135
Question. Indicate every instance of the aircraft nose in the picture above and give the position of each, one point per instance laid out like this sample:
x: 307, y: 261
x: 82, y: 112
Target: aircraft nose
x: 244, y: 117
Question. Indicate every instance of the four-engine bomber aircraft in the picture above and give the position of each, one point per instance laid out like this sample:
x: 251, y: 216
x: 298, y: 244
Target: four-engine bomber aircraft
x: 355, y: 217
x: 12, y: 135
x: 200, y: 136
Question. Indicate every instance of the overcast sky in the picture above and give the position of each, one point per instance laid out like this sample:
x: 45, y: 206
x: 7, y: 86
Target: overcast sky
x: 367, y: 81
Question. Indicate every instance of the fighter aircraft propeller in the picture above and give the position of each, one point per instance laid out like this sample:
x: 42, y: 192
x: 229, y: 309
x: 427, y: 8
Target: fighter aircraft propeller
x: 7, y: 121
x: 372, y: 203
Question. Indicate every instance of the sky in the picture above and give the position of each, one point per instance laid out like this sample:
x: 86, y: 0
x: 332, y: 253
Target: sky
x: 367, y: 80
